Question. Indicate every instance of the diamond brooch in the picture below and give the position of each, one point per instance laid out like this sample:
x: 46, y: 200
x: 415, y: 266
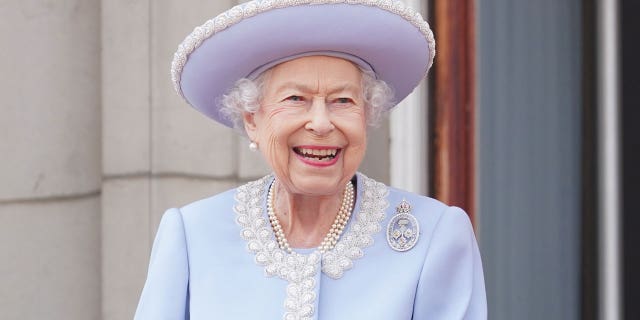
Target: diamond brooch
x: 403, y: 230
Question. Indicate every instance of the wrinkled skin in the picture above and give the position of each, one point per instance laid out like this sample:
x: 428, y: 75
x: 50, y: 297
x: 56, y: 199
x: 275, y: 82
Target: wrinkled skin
x: 314, y: 102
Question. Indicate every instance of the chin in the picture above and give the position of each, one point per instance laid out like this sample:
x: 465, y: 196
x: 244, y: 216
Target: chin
x: 319, y: 185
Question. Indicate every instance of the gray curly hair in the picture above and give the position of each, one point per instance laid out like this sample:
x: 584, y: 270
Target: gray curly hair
x: 246, y: 94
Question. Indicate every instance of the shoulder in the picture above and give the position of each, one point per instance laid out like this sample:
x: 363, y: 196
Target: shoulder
x: 435, y: 215
x: 224, y: 202
x: 438, y: 222
x: 420, y: 204
x: 209, y: 205
x: 217, y: 214
x: 427, y: 210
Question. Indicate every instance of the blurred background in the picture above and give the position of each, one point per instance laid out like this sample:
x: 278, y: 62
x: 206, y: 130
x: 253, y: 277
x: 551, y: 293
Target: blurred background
x: 528, y: 121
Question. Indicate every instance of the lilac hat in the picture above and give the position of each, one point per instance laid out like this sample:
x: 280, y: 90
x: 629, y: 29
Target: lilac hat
x: 384, y: 36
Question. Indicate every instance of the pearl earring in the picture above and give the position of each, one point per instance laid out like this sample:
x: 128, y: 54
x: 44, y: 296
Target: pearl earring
x: 253, y: 146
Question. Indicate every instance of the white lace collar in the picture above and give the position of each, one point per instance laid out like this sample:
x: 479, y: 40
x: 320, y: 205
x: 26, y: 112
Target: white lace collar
x: 300, y: 269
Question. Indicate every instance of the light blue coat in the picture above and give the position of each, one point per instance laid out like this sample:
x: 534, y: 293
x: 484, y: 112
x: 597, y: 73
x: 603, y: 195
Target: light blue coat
x: 217, y: 259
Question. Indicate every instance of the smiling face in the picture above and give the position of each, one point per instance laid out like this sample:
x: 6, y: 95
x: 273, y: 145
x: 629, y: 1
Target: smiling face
x: 311, y: 125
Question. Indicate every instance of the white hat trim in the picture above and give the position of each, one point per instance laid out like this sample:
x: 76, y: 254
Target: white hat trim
x: 251, y: 8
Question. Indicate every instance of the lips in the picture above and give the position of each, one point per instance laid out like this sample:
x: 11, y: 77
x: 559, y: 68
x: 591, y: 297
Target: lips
x: 317, y: 154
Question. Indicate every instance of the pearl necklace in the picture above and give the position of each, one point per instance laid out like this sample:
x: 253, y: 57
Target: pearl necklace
x: 334, y: 233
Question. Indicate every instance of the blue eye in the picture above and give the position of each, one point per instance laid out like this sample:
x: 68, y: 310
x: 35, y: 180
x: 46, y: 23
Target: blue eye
x: 294, y: 98
x: 344, y: 100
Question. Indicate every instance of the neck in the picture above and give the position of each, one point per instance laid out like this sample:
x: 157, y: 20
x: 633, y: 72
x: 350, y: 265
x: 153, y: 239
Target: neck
x: 306, y: 220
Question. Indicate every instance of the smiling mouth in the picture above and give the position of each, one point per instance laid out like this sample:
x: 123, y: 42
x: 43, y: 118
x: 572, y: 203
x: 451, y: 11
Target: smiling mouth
x: 317, y: 154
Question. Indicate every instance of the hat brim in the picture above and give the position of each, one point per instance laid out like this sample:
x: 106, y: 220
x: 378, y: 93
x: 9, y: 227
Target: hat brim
x: 395, y: 49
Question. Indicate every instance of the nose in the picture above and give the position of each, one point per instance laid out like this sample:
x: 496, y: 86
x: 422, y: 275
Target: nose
x: 319, y: 118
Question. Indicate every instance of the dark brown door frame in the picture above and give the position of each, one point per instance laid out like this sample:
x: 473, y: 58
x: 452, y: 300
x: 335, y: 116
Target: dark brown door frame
x: 453, y: 108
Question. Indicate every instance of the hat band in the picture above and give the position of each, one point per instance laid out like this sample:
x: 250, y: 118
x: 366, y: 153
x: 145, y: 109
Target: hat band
x: 361, y: 63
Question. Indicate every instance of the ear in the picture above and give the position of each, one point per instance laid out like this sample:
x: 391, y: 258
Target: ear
x: 250, y: 125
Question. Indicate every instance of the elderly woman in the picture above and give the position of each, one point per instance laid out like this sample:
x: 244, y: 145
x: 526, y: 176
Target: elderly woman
x: 316, y: 239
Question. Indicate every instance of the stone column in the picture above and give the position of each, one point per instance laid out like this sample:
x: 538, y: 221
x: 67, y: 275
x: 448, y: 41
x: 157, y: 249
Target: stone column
x: 125, y: 155
x: 157, y: 151
x: 50, y: 167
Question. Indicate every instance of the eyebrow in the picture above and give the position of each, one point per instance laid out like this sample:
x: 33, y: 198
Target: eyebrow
x: 304, y: 88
